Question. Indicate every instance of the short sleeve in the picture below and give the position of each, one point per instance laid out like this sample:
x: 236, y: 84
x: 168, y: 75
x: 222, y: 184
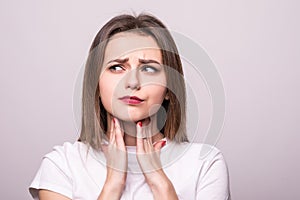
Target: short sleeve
x: 213, y: 184
x: 52, y: 175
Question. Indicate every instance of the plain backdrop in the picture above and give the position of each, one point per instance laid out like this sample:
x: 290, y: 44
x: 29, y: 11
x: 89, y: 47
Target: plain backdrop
x: 255, y: 45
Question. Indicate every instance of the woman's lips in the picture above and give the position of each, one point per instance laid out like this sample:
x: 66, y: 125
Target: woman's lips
x: 131, y: 100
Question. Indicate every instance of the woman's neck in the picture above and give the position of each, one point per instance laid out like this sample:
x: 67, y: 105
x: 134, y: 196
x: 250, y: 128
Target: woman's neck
x: 131, y: 140
x: 149, y: 127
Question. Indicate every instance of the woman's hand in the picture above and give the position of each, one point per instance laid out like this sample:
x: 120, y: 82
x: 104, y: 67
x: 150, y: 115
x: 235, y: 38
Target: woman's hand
x: 148, y: 156
x: 116, y: 162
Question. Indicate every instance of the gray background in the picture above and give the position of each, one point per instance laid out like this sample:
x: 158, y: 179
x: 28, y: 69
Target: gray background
x: 255, y: 45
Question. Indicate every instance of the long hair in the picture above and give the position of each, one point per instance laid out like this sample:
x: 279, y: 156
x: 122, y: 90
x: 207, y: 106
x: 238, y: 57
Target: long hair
x: 94, y: 116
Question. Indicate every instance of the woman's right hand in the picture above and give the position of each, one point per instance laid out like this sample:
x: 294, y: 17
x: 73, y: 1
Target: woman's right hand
x: 116, y: 163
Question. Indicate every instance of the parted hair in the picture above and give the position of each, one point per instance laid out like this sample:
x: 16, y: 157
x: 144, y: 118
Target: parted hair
x: 94, y: 116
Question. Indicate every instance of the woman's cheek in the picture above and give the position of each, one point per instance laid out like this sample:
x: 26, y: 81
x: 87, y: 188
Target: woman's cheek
x: 159, y: 95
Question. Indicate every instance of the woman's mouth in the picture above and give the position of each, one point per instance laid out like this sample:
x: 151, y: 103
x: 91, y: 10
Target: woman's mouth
x: 131, y: 100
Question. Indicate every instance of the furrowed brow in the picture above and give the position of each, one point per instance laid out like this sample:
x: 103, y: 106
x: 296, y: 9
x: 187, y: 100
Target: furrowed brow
x: 118, y: 60
x: 146, y: 61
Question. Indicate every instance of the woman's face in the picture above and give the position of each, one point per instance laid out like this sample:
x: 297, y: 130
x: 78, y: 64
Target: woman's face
x: 133, y: 81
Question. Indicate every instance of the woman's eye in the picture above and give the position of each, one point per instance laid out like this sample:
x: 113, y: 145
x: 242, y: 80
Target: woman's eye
x: 149, y: 69
x: 116, y: 68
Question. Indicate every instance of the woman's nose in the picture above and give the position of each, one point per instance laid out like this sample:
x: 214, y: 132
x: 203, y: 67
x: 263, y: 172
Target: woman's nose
x: 132, y: 80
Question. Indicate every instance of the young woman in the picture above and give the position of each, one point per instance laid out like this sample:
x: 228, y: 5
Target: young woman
x: 133, y: 142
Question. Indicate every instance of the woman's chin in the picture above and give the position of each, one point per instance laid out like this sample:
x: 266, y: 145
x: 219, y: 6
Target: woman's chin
x: 133, y: 119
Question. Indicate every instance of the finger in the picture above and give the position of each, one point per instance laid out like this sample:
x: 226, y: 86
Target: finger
x: 149, y: 134
x: 119, y: 135
x: 139, y: 139
x: 147, y: 145
x: 158, y: 145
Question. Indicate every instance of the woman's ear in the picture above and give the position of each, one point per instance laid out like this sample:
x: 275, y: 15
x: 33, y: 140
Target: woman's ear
x: 167, y: 96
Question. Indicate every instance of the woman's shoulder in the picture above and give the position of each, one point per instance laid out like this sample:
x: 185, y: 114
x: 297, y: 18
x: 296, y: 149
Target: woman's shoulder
x: 198, y: 152
x: 56, y: 169
x: 203, y: 150
x: 66, y: 151
x: 195, y: 164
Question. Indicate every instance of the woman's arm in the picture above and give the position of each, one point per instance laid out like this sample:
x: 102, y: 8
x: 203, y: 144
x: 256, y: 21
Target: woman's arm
x: 148, y: 156
x: 116, y: 164
x: 50, y: 195
x: 160, y: 185
x: 111, y: 191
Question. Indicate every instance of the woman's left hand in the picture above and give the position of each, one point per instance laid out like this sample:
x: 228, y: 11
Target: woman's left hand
x: 148, y: 156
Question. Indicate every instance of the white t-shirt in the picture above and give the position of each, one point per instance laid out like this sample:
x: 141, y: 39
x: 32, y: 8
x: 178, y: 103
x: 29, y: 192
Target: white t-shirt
x: 78, y: 173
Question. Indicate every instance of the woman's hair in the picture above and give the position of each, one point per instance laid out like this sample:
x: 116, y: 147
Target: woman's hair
x: 94, y: 115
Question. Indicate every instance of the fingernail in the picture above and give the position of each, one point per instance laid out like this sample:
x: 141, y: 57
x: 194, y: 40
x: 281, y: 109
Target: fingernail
x: 163, y: 144
x: 140, y: 123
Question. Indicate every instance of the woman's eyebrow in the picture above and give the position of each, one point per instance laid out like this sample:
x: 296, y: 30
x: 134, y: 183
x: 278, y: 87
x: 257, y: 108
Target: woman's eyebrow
x: 143, y: 61
x: 119, y: 60
x: 146, y: 61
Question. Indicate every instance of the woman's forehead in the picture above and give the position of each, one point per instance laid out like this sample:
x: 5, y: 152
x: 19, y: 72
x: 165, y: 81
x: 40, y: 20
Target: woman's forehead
x: 126, y: 44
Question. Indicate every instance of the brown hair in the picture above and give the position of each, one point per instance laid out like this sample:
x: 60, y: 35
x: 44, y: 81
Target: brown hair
x: 94, y: 116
